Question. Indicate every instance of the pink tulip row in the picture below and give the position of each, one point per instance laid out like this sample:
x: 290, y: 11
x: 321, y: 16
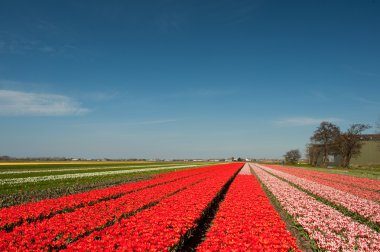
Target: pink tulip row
x: 31, y: 211
x: 246, y: 221
x: 346, y: 183
x: 160, y: 227
x: 351, y: 180
x: 66, y: 227
x: 330, y: 229
x: 366, y: 208
x: 245, y: 170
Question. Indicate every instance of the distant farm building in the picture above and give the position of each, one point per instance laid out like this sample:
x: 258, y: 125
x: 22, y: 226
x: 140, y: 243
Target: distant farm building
x: 370, y: 151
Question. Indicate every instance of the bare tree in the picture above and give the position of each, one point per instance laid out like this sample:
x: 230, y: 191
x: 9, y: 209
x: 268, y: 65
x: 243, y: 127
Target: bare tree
x: 313, y: 152
x: 308, y: 155
x: 349, y: 143
x: 292, y: 156
x: 325, y: 136
x: 378, y: 132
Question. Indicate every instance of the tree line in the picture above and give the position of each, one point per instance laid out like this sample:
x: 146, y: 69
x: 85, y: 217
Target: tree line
x: 329, y: 139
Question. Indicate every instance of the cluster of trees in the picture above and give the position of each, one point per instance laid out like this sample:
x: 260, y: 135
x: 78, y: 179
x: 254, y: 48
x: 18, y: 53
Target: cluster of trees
x: 378, y: 132
x: 292, y: 156
x: 5, y: 158
x: 328, y: 139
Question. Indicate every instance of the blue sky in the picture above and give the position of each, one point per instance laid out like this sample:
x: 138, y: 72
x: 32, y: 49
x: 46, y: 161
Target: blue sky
x: 181, y: 79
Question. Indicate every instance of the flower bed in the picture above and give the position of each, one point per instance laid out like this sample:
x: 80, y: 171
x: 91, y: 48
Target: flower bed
x: 331, y: 230
x: 15, y: 215
x: 67, y: 227
x: 34, y: 179
x: 246, y: 221
x: 366, y: 208
x: 162, y: 226
x: 364, y: 188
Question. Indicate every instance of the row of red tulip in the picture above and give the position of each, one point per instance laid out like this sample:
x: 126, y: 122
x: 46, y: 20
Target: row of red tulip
x: 329, y: 228
x: 16, y: 215
x: 366, y: 208
x: 64, y: 228
x: 246, y: 221
x: 162, y: 226
x: 362, y: 187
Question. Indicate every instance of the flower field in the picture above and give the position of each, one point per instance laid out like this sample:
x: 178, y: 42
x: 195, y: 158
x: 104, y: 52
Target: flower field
x: 12, y: 181
x: 361, y: 187
x: 47, y: 208
x: 353, y: 203
x: 26, y: 182
x: 330, y: 229
x: 247, y: 221
x: 224, y: 207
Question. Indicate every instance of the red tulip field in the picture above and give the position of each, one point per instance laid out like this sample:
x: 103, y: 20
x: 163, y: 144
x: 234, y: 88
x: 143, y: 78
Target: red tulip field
x: 222, y: 207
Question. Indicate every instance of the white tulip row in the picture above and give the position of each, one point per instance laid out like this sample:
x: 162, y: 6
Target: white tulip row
x: 59, y: 169
x: 82, y: 175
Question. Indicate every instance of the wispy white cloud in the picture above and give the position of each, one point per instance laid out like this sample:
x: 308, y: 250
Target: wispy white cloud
x: 366, y: 101
x: 16, y: 103
x: 361, y: 72
x: 112, y: 126
x: 320, y: 95
x: 365, y: 73
x: 101, y: 96
x: 212, y: 92
x: 202, y: 93
x: 305, y: 121
x: 244, y: 12
x: 14, y: 43
x: 47, y: 49
x: 152, y: 122
x: 344, y: 97
x: 29, y: 46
